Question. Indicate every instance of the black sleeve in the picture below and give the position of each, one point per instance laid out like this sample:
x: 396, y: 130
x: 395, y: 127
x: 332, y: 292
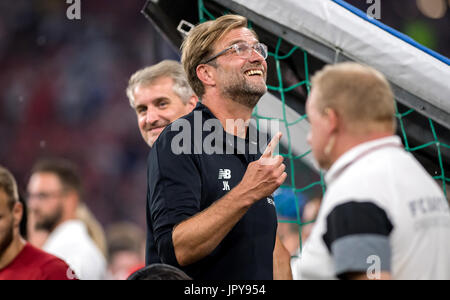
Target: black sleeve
x: 175, y: 193
x: 356, y: 233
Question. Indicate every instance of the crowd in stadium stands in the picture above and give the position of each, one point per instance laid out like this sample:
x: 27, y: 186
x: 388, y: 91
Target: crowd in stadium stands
x: 74, y: 73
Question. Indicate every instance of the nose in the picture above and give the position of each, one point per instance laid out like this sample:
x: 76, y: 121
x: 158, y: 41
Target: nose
x: 255, y: 56
x: 148, y: 120
x: 152, y: 116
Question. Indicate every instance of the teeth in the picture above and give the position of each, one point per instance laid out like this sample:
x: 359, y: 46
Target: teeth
x: 254, y: 72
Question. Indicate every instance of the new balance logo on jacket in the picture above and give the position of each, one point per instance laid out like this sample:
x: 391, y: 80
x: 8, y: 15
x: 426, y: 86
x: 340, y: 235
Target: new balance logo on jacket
x: 224, y: 174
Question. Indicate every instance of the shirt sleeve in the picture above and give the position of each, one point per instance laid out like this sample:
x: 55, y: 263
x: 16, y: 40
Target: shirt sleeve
x: 175, y: 193
x: 58, y: 270
x: 357, y: 236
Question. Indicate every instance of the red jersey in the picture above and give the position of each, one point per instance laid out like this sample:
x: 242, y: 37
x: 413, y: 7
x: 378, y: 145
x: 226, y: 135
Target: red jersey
x: 34, y: 264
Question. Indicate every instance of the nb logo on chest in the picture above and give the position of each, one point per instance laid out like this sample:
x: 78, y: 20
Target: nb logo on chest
x: 225, y: 174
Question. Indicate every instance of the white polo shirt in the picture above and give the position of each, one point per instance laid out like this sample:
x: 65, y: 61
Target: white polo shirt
x: 381, y: 212
x: 71, y: 242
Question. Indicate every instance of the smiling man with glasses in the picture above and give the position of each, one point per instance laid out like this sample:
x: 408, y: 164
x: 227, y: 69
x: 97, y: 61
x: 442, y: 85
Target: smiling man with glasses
x: 212, y: 214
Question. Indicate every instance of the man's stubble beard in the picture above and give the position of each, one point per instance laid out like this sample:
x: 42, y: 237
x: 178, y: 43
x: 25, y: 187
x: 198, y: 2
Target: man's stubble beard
x: 6, y: 242
x: 49, y: 223
x: 243, y: 91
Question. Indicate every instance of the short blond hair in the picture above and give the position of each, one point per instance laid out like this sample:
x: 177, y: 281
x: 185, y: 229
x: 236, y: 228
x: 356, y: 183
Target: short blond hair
x: 166, y: 68
x: 359, y: 94
x: 198, y: 45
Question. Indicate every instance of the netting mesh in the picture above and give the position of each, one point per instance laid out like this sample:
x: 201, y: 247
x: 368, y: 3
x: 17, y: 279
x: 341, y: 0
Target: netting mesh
x: 281, y: 89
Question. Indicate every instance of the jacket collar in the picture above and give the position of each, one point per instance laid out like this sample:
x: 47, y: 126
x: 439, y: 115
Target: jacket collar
x: 356, y: 153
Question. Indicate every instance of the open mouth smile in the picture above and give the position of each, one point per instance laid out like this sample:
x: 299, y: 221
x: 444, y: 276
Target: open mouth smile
x: 254, y: 73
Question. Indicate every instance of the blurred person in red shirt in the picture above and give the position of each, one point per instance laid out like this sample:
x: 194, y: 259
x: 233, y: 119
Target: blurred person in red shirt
x: 126, y: 250
x: 20, y: 260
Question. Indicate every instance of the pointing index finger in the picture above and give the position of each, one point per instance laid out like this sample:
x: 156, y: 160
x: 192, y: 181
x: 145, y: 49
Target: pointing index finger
x: 272, y: 145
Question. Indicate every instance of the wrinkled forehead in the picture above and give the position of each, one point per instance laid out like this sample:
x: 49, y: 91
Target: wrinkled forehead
x: 242, y: 34
x: 43, y: 181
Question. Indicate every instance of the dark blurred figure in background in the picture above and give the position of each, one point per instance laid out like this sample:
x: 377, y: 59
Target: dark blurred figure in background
x: 54, y: 194
x: 126, y: 250
x: 159, y: 272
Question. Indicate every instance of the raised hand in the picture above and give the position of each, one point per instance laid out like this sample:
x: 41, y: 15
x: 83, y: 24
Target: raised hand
x: 265, y: 175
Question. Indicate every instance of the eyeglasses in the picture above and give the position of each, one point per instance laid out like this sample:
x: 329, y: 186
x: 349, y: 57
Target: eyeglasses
x: 244, y: 50
x: 45, y: 195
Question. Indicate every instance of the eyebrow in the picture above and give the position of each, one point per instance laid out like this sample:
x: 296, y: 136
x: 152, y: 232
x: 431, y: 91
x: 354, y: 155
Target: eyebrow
x: 138, y: 107
x: 153, y: 102
x: 235, y: 42
x: 158, y: 100
x: 241, y: 41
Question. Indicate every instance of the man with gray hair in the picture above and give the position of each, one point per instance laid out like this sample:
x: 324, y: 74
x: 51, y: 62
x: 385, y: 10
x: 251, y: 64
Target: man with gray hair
x: 159, y: 94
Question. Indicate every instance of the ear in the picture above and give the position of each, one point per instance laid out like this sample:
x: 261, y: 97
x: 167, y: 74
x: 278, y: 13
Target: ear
x: 192, y: 103
x: 332, y: 118
x: 17, y: 213
x: 206, y: 74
